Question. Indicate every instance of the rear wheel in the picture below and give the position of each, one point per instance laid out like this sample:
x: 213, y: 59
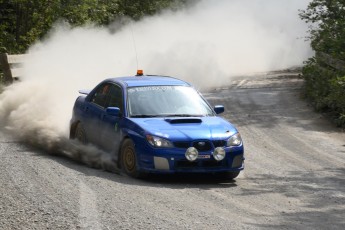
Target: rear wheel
x: 129, y: 159
x: 80, y: 134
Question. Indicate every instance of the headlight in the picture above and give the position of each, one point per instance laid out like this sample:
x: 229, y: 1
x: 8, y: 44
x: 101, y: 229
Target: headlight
x: 192, y: 154
x: 235, y: 140
x: 158, y: 142
x: 219, y: 154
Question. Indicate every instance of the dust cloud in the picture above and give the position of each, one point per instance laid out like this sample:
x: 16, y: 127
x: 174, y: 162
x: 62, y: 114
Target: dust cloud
x: 205, y: 44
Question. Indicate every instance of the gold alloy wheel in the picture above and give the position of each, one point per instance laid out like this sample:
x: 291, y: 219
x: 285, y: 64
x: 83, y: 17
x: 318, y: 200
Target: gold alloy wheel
x: 129, y: 159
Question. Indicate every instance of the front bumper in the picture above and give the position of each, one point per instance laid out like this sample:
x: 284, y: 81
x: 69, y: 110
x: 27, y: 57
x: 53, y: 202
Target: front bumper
x: 174, y: 160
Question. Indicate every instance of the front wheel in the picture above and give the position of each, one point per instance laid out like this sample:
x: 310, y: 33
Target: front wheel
x: 129, y: 159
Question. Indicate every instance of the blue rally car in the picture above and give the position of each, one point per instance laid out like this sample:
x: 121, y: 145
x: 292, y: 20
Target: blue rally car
x: 157, y: 124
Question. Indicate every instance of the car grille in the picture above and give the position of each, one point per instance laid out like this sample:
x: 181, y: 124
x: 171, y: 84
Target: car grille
x: 200, y: 145
x: 219, y: 143
x: 182, y: 145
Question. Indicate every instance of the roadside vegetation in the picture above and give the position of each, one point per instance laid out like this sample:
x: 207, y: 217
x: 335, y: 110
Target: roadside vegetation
x: 23, y: 22
x: 324, y: 73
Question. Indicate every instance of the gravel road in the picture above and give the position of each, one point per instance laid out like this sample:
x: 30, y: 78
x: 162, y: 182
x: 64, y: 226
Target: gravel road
x: 294, y: 176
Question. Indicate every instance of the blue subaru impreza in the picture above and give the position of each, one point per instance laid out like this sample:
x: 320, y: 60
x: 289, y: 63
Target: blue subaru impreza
x: 157, y: 124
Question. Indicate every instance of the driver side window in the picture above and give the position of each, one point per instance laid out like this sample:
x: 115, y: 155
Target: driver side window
x: 114, y: 97
x: 100, y: 96
x: 108, y: 95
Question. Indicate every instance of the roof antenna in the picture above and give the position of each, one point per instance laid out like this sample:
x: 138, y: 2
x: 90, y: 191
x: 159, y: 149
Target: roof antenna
x: 139, y: 72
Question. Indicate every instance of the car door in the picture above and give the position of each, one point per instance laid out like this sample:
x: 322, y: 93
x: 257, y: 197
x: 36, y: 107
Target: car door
x: 110, y: 125
x: 94, y: 112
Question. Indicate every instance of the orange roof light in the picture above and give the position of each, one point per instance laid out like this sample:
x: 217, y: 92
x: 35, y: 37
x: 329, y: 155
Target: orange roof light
x: 140, y: 72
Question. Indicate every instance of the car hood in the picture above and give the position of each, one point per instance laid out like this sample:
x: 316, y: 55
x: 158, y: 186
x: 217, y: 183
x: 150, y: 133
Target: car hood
x: 198, y: 128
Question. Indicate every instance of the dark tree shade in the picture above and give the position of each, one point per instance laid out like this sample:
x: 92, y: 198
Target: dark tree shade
x: 22, y: 22
x: 324, y: 74
x: 327, y: 33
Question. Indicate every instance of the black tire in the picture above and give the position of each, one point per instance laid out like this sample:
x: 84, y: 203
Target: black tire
x: 128, y: 159
x: 80, y: 134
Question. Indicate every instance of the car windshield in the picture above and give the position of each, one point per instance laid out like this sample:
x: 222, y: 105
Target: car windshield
x: 163, y: 101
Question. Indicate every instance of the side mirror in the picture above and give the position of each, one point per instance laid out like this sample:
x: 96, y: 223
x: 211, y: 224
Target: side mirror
x: 113, y: 111
x: 219, y: 109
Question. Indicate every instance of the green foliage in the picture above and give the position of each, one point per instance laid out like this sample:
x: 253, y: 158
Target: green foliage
x: 336, y: 99
x: 1, y: 79
x: 25, y: 21
x: 324, y: 82
x: 328, y: 32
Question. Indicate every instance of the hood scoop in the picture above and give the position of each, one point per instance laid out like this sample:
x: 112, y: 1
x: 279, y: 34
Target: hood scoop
x: 183, y: 120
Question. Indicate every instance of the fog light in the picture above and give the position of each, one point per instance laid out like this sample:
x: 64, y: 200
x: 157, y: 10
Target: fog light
x: 192, y: 154
x: 219, y: 154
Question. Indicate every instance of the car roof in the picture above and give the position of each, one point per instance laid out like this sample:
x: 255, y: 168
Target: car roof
x: 147, y: 80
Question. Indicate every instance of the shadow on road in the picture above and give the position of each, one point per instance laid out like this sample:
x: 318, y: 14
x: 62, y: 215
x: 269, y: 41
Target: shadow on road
x: 173, y: 181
